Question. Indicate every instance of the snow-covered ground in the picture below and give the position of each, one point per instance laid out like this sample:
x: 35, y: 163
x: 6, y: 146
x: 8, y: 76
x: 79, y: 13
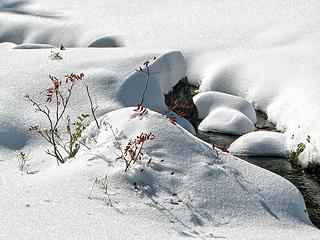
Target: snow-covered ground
x: 264, y: 51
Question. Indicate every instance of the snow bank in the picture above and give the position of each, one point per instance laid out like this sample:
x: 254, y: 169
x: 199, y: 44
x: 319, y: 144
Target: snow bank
x: 261, y: 143
x: 165, y: 73
x: 226, y: 120
x: 7, y: 45
x: 281, y: 82
x: 106, y: 75
x: 106, y: 41
x: 267, y: 57
x: 183, y: 191
x: 208, y: 101
x: 298, y: 135
x: 264, y: 55
x: 33, y: 46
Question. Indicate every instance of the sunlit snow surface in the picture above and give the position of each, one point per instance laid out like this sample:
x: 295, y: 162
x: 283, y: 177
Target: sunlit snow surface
x: 260, y: 143
x: 265, y: 51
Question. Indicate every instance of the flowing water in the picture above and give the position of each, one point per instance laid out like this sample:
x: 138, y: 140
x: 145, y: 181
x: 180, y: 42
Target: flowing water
x: 308, y: 184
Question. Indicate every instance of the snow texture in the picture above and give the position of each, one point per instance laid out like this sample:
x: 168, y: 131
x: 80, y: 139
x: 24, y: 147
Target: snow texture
x: 226, y: 120
x: 264, y: 51
x: 261, y: 143
x: 183, y: 192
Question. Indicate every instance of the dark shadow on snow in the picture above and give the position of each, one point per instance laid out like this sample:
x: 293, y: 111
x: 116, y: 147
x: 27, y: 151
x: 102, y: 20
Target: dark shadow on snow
x: 13, y: 138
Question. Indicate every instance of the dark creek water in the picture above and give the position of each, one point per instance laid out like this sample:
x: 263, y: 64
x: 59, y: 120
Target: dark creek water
x: 308, y: 185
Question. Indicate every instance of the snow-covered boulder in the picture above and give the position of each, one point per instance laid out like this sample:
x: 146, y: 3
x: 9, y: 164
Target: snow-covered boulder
x: 261, y: 143
x: 207, y: 101
x: 165, y: 73
x: 226, y: 120
x: 106, y: 41
x: 33, y: 46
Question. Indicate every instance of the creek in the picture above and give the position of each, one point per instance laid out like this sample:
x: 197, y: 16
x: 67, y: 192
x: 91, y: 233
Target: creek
x: 308, y: 184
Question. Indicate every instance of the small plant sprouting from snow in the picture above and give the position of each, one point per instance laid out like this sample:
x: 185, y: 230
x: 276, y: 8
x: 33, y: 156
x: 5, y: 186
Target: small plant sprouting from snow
x: 23, y: 158
x: 102, y: 183
x: 294, y: 154
x: 74, y: 136
x: 300, y: 148
x: 55, y: 55
x: 54, y: 109
x: 135, y: 150
x: 146, y: 70
x: 141, y: 110
x: 179, y: 108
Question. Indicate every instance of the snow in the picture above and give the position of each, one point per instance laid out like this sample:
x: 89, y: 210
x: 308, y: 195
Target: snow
x: 165, y: 72
x: 261, y: 143
x: 220, y: 197
x: 187, y: 194
x: 33, y: 46
x: 7, y: 45
x: 226, y: 120
x: 106, y: 41
x: 210, y: 100
x: 263, y: 51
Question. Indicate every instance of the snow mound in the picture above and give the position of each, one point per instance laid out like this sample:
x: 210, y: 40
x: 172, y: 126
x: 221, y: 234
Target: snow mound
x: 226, y: 120
x: 261, y: 143
x: 33, y: 46
x: 7, y: 45
x: 105, y: 70
x: 300, y: 135
x: 106, y: 41
x: 183, y: 191
x: 207, y: 101
x: 165, y: 73
x: 224, y: 191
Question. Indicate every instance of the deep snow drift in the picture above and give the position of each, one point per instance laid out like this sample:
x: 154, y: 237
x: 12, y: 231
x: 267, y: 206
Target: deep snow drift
x: 265, y: 51
x: 185, y: 191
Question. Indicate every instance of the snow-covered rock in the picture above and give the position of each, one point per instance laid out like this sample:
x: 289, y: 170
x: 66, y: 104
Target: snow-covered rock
x: 208, y: 101
x: 226, y: 120
x: 106, y: 41
x: 261, y: 143
x: 165, y: 73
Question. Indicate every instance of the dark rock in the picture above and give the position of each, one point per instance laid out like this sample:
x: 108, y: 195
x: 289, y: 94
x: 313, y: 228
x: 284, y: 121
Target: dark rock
x: 181, y: 93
